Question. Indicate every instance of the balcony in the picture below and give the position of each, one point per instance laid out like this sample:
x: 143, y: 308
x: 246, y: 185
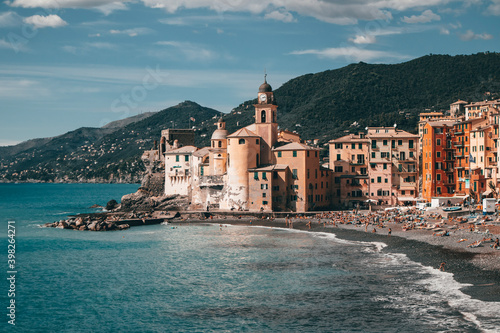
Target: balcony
x: 459, y: 132
x: 449, y: 170
x: 459, y: 144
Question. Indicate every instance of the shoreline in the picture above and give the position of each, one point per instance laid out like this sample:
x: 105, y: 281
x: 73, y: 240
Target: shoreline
x: 479, y: 270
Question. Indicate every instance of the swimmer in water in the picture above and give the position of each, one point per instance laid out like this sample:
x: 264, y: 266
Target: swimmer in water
x: 441, y: 267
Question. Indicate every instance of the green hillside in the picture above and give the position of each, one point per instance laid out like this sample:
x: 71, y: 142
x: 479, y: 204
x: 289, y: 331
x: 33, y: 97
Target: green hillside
x: 320, y: 106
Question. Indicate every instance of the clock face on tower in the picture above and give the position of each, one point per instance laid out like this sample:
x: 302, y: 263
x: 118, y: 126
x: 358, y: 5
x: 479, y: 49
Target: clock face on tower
x: 263, y: 98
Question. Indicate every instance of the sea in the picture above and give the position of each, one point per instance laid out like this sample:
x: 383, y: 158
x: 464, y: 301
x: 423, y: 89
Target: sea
x: 207, y: 278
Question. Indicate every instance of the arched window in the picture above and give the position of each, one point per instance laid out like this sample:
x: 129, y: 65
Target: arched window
x: 220, y: 144
x: 263, y: 116
x: 241, y: 141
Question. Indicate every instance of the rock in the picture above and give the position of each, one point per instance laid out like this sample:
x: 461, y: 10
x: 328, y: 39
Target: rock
x: 123, y: 226
x: 79, y: 222
x: 82, y: 227
x: 62, y: 225
x: 48, y: 225
x: 96, y: 206
x: 112, y: 204
x: 92, y: 226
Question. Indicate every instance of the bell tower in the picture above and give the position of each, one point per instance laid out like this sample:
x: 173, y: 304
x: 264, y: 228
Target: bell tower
x: 266, y: 113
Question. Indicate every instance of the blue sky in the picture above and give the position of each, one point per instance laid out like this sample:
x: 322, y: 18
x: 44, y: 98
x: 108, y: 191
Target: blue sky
x: 65, y: 64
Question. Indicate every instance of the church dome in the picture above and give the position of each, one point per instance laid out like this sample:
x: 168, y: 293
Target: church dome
x: 219, y: 134
x: 265, y: 87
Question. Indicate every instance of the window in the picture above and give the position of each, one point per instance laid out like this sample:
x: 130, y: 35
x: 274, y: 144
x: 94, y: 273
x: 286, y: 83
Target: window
x: 308, y: 153
x: 339, y: 169
x: 264, y: 202
x: 177, y: 158
x: 201, y: 170
x: 264, y: 175
x: 438, y: 177
x: 386, y: 180
x: 337, y: 180
x: 438, y: 142
x: 338, y: 146
x: 410, y: 144
x: 400, y: 142
x: 385, y: 166
x: 257, y: 141
x: 275, y: 175
x: 307, y: 173
x: 220, y: 144
x: 264, y: 194
x: 360, y: 146
x: 255, y: 175
x: 373, y: 180
x: 353, y: 146
x: 241, y: 141
x: 294, y: 173
x: 263, y: 186
x: 384, y: 142
x: 279, y: 154
x: 379, y: 179
x: 374, y: 144
x: 316, y: 173
x: 294, y: 153
x: 186, y: 158
x: 438, y: 154
x: 338, y: 157
x: 393, y: 143
x: 373, y: 155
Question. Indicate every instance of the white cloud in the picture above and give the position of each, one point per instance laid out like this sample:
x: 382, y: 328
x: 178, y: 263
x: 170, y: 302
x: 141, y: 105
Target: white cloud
x: 279, y: 15
x: 470, y: 35
x: 190, y: 50
x: 105, y: 6
x: 337, y: 12
x: 444, y: 31
x: 95, y: 35
x: 360, y: 39
x: 10, y: 19
x: 50, y: 21
x: 132, y: 32
x: 13, y: 43
x: 426, y: 17
x: 494, y: 8
x: 351, y: 54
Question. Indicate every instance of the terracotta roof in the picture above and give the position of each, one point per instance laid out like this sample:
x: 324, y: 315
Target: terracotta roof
x: 185, y: 149
x: 350, y: 138
x: 271, y: 167
x: 243, y: 132
x: 201, y: 152
x: 459, y: 102
x: 295, y: 146
x: 390, y: 134
x: 440, y: 123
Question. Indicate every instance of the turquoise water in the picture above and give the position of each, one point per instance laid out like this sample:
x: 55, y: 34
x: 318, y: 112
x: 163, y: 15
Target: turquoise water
x: 198, y: 278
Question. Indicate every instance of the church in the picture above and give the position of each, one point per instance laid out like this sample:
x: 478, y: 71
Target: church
x: 256, y: 168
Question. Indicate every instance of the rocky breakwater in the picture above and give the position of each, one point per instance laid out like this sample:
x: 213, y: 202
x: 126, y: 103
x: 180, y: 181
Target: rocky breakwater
x: 89, y: 222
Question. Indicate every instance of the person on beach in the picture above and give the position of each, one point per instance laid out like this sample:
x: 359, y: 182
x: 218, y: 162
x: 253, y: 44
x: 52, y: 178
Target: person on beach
x: 496, y: 245
x: 389, y: 233
x: 441, y: 267
x: 309, y: 224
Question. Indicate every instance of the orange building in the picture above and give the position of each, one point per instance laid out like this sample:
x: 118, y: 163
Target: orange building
x: 437, y: 160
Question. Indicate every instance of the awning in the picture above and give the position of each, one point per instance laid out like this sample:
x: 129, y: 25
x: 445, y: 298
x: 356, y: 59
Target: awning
x: 486, y: 193
x: 407, y: 199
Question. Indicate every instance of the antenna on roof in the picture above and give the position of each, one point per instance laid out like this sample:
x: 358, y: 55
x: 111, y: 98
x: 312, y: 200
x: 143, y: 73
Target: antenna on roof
x: 265, y: 76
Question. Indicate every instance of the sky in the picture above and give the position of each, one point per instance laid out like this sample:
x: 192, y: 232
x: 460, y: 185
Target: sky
x: 66, y: 64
